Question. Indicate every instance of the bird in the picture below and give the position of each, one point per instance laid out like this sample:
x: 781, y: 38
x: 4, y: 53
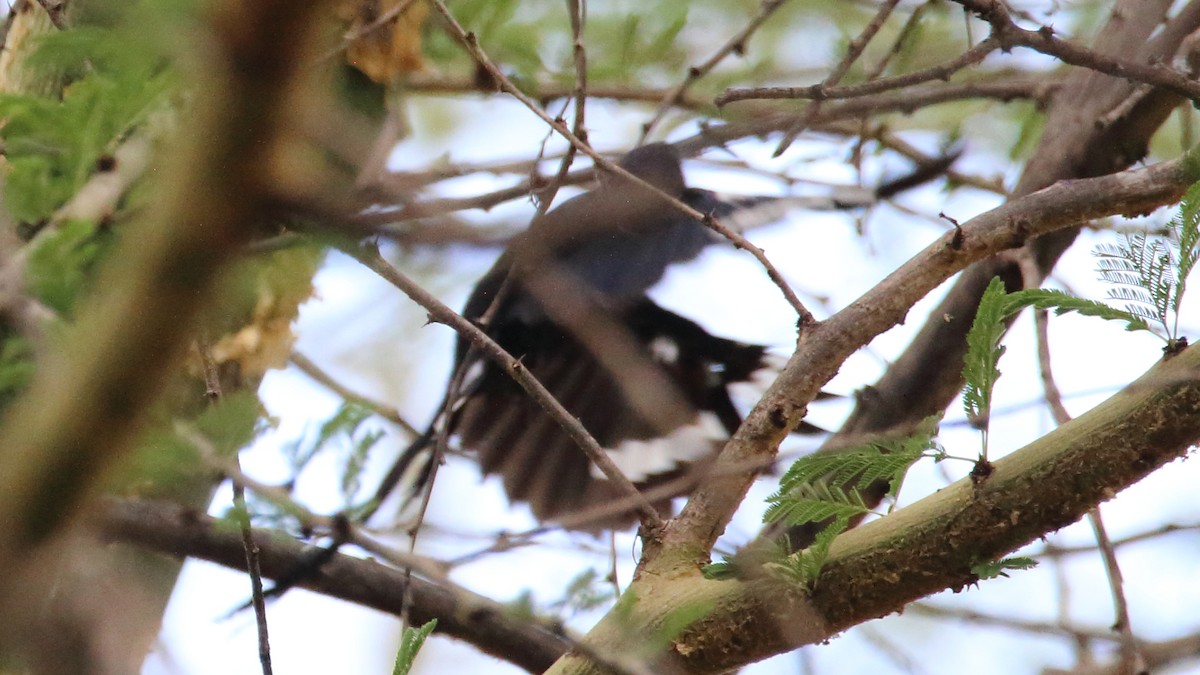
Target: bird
x: 568, y: 298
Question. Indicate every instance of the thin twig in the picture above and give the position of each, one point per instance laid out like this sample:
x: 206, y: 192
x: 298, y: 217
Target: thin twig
x: 182, y: 532
x: 1132, y: 659
x: 577, y: 9
x: 1041, y: 323
x: 960, y: 615
x: 577, y: 12
x: 910, y: 26
x: 363, y: 31
x: 546, y: 91
x: 735, y: 45
x: 212, y: 386
x: 853, y: 51
x: 906, y: 101
x: 309, y: 520
x: 471, y: 43
x: 387, y: 412
x: 818, y: 356
x: 825, y: 92
x: 408, y: 562
x: 1057, y: 551
x: 440, y: 442
x: 766, y: 122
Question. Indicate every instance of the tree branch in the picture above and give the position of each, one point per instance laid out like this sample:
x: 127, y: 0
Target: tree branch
x: 823, y: 349
x: 927, y: 376
x: 930, y: 546
x: 181, y: 533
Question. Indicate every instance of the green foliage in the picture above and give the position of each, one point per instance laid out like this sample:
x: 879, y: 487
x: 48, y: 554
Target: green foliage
x: 826, y: 487
x: 797, y: 569
x: 983, y: 352
x: 345, y: 432
x: 859, y: 466
x: 61, y: 262
x: 802, y: 568
x: 1062, y: 303
x: 721, y: 570
x: 1147, y: 272
x: 1000, y: 568
x: 231, y: 423
x: 1150, y: 273
x: 522, y: 608
x: 814, y: 502
x: 411, y: 640
x: 53, y: 145
x: 512, y: 39
x: 16, y: 367
x: 587, y: 591
x: 172, y: 460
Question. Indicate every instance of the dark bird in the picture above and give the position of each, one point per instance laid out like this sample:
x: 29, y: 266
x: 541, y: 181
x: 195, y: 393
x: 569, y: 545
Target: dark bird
x: 568, y: 298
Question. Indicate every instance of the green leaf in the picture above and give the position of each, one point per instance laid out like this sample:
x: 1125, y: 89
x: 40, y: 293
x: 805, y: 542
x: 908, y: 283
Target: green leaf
x: 983, y: 353
x: 53, y: 143
x: 1142, y: 271
x: 411, y: 640
x: 1062, y: 303
x: 814, y: 502
x: 342, y: 425
x: 885, y: 459
x: 231, y: 423
x: 720, y: 571
x: 61, y: 263
x: 352, y: 470
x: 803, y: 568
x: 1000, y: 568
x: 587, y: 591
x: 16, y: 368
x: 1186, y: 228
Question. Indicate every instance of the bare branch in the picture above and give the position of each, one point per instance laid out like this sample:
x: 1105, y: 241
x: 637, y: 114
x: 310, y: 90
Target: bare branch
x: 1043, y: 40
x: 734, y: 45
x: 825, y: 92
x: 179, y: 532
x: 853, y: 51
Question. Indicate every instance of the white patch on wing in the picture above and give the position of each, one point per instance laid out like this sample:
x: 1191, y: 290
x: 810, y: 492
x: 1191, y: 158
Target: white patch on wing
x: 751, y: 391
x: 640, y: 459
x: 665, y: 350
x: 469, y: 382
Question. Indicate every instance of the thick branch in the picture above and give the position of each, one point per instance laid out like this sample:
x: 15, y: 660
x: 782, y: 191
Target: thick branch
x: 824, y: 347
x: 932, y: 545
x: 181, y: 532
x: 1084, y: 137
